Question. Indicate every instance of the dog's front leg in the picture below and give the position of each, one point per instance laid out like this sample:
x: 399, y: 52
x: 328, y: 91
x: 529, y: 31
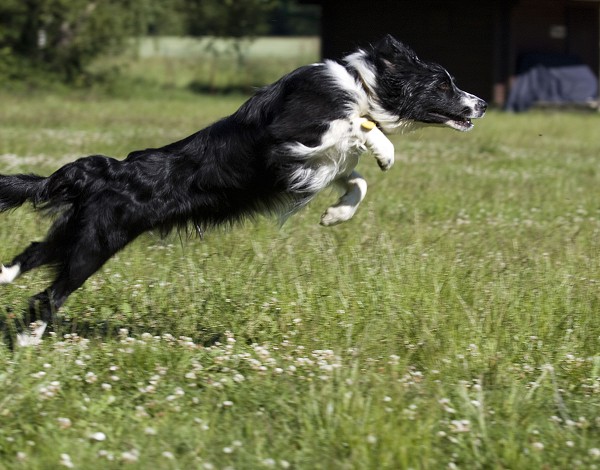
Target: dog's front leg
x: 355, y: 189
x: 377, y: 142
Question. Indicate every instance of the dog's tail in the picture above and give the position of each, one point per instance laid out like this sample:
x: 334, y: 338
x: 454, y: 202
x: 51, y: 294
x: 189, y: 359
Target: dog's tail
x: 15, y: 190
x: 68, y: 185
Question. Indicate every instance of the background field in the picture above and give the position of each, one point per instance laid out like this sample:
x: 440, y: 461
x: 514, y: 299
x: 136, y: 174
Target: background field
x: 208, y: 64
x: 453, y: 323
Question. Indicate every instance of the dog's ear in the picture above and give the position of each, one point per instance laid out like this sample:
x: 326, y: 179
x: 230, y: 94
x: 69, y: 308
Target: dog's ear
x: 391, y: 49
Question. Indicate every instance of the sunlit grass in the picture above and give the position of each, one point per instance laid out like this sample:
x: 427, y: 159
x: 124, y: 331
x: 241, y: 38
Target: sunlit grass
x: 454, y: 322
x: 209, y: 64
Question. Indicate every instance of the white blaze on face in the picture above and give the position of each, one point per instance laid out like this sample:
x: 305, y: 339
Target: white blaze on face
x: 474, y: 104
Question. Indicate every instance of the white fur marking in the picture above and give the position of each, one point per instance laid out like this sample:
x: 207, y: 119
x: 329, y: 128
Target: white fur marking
x: 471, y: 101
x: 8, y: 275
x: 336, y: 155
x: 389, y: 122
x: 359, y: 63
x: 381, y: 146
x: 345, y: 208
x: 34, y: 337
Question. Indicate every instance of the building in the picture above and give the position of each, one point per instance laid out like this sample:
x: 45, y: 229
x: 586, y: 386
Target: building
x: 480, y: 41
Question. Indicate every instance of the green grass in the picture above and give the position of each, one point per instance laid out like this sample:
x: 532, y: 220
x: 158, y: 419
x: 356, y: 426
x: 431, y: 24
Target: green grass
x: 209, y: 64
x: 454, y: 322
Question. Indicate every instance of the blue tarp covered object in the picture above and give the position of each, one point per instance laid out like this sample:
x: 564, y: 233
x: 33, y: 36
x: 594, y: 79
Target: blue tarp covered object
x: 549, y: 78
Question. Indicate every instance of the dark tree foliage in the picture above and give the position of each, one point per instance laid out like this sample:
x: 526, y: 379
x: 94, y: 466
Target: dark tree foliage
x: 231, y: 18
x: 62, y: 37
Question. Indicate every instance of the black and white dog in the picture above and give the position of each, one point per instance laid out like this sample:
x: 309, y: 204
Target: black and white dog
x: 289, y: 141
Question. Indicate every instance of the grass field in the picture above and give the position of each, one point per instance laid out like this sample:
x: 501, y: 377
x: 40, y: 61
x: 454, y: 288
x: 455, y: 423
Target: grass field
x: 453, y: 323
x: 209, y: 64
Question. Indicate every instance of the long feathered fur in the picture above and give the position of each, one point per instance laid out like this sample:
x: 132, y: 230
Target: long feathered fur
x: 284, y: 145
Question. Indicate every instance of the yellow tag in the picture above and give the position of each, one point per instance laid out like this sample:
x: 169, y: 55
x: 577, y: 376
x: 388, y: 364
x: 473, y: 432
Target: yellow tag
x: 367, y: 125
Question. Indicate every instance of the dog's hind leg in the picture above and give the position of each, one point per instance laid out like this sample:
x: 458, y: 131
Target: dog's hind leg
x: 355, y: 190
x: 99, y: 236
x: 38, y: 253
x: 84, y: 260
x: 9, y: 273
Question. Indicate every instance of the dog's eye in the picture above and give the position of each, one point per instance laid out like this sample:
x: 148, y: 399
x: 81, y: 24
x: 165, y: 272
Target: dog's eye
x: 444, y: 87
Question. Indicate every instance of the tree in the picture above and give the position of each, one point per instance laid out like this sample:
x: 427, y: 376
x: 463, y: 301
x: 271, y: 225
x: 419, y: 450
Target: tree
x: 228, y: 18
x: 64, y: 36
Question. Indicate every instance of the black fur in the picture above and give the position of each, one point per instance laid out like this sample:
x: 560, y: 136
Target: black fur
x: 239, y: 166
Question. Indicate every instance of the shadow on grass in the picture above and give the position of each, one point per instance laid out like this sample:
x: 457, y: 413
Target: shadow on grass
x: 204, y: 88
x: 100, y: 330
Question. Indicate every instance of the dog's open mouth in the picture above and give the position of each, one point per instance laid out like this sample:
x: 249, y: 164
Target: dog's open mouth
x: 460, y: 124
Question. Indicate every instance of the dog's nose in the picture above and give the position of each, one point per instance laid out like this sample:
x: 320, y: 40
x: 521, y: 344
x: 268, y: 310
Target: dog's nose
x: 481, y: 106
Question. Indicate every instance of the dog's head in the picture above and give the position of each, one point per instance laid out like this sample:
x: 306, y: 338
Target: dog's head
x: 408, y: 89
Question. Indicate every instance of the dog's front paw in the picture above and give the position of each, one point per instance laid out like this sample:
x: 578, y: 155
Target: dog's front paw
x: 385, y: 163
x: 382, y: 149
x: 336, y: 215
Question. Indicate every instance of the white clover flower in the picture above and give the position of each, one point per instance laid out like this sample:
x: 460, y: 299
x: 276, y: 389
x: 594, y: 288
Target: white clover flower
x: 64, y: 423
x: 168, y: 455
x: 106, y: 454
x: 130, y: 456
x: 65, y: 461
x: 50, y: 390
x: 98, y: 437
x: 463, y: 425
x: 539, y: 446
x: 141, y: 412
x: 90, y: 377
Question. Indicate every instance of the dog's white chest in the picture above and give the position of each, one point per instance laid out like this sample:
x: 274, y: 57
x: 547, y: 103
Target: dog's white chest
x: 335, y: 157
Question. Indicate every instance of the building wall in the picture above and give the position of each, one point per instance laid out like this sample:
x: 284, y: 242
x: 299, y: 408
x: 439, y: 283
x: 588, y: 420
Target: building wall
x: 457, y: 34
x: 478, y: 41
x: 556, y: 26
